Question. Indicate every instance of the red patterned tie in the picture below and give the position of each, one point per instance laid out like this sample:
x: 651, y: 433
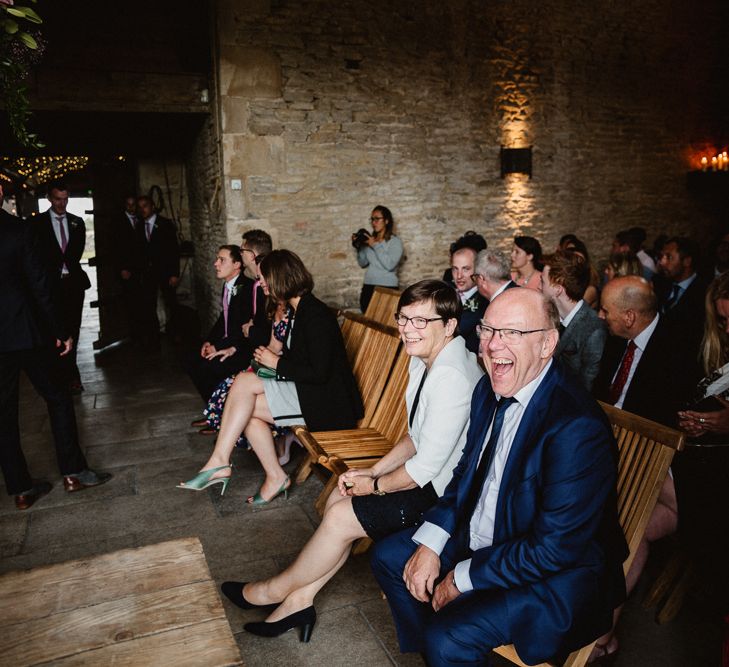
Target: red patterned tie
x: 616, y: 388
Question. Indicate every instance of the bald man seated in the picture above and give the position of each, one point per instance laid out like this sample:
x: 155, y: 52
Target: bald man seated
x: 544, y: 572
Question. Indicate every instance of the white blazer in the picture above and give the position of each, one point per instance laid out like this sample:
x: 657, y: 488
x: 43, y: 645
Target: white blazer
x: 440, y: 422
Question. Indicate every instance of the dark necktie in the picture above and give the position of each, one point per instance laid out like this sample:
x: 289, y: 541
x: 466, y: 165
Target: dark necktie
x: 474, y: 493
x: 672, y: 297
x: 616, y: 388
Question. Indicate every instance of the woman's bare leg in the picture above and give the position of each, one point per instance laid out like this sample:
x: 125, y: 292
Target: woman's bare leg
x: 259, y: 435
x: 243, y: 401
x: 319, y: 560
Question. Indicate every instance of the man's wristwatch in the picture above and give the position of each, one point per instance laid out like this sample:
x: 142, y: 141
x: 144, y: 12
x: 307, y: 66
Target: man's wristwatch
x: 377, y: 491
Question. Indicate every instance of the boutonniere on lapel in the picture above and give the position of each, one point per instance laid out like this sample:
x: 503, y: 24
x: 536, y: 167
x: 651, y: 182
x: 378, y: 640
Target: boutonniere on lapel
x: 74, y: 224
x: 234, y: 291
x: 471, y: 304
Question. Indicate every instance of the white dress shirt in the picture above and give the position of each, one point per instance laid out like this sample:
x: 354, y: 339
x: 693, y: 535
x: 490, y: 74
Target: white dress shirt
x: 641, y: 342
x: 571, y: 315
x: 500, y: 290
x: 465, y: 296
x: 483, y: 519
x: 149, y: 225
x: 132, y: 219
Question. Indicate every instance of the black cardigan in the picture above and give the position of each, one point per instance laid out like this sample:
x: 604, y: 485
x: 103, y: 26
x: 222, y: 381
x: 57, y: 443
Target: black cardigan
x: 317, y: 364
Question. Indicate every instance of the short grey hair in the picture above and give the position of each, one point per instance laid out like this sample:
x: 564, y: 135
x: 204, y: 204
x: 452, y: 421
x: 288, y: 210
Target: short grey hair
x: 493, y: 265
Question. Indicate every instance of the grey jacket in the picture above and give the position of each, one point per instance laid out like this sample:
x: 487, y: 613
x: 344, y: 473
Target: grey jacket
x: 581, y: 344
x: 381, y: 261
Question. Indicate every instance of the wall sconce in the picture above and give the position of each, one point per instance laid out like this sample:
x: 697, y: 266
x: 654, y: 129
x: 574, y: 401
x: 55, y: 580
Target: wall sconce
x: 516, y: 161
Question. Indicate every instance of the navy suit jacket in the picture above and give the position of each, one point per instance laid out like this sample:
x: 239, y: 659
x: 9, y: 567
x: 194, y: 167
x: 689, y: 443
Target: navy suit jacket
x: 558, y: 548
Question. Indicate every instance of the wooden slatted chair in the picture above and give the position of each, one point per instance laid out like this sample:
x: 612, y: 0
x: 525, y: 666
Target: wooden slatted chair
x: 363, y: 445
x: 376, y: 350
x: 383, y: 304
x: 646, y: 450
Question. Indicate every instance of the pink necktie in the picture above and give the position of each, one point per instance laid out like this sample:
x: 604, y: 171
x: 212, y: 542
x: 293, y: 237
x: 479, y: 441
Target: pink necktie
x: 64, y: 241
x: 225, y: 309
x: 255, y: 291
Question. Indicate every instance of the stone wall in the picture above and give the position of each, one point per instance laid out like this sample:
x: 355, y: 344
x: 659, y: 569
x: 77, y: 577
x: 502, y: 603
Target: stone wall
x: 329, y: 107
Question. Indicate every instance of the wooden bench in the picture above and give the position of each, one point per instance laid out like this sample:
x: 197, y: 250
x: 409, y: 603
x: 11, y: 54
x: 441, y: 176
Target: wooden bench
x: 646, y: 451
x: 383, y: 305
x: 375, y: 349
x: 340, y: 450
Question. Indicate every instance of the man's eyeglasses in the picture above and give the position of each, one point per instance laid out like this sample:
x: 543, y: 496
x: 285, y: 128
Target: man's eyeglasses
x: 374, y: 218
x: 417, y: 322
x: 253, y: 252
x: 507, y: 335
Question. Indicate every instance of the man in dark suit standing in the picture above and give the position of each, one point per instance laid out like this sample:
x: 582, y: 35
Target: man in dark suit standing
x: 565, y: 278
x: 463, y: 262
x: 160, y: 269
x: 544, y: 572
x: 61, y: 240
x: 129, y: 259
x: 28, y: 330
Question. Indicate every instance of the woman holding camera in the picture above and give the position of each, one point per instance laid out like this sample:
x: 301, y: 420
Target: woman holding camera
x: 379, y: 252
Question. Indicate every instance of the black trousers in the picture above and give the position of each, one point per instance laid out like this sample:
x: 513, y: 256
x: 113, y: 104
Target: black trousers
x: 149, y: 325
x: 71, y: 297
x: 207, y: 375
x: 43, y: 368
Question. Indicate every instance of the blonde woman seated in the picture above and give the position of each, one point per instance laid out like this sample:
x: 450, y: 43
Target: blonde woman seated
x: 400, y: 487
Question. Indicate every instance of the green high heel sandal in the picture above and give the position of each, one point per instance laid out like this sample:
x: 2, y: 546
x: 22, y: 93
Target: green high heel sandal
x: 202, y: 480
x: 258, y: 499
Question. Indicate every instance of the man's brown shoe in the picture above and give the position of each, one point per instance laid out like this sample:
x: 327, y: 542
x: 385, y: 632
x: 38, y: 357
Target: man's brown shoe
x: 24, y: 500
x: 84, y: 480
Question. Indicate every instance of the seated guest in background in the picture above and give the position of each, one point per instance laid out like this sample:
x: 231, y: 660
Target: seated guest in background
x: 257, y: 329
x: 492, y: 276
x: 312, y: 383
x: 702, y: 473
x: 592, y: 294
x: 565, y: 277
x: 544, y: 572
x: 631, y: 240
x: 469, y: 240
x: 380, y: 253
x: 526, y: 262
x: 474, y: 304
x: 681, y: 301
x: 406, y: 482
x: 646, y: 372
x: 225, y: 350
x: 622, y: 264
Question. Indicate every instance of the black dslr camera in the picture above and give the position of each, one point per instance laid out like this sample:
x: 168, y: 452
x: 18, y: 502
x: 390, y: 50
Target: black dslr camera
x: 359, y: 238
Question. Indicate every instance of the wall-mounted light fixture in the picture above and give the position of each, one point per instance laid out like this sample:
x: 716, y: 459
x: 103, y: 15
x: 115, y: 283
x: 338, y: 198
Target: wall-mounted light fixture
x: 516, y: 161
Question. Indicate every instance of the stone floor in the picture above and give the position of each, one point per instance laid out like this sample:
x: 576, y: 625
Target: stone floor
x: 134, y: 421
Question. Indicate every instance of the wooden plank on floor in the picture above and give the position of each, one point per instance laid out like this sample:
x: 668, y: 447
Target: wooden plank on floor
x: 51, y: 589
x: 110, y: 623
x: 211, y: 644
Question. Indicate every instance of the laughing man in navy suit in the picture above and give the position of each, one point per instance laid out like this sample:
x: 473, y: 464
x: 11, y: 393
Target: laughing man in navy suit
x: 524, y: 547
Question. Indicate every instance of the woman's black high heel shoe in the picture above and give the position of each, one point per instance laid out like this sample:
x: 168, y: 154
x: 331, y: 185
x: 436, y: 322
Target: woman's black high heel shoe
x: 304, y: 619
x: 233, y: 590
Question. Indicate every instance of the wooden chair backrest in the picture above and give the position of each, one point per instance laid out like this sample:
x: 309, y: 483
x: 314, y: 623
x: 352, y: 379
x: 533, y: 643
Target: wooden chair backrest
x: 372, y: 363
x: 383, y: 304
x: 646, y: 450
x: 390, y: 418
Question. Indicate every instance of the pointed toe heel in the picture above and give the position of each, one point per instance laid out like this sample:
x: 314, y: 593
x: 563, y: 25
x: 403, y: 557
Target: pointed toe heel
x: 304, y: 619
x: 233, y: 590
